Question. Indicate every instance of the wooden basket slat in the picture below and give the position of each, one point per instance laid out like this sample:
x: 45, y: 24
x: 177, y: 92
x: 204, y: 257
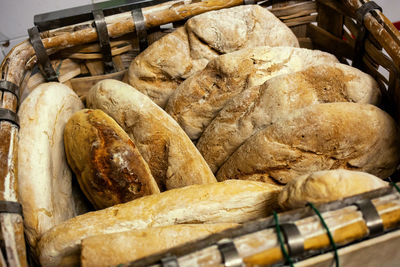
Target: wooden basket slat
x: 295, y: 8
x: 335, y: 5
x: 326, y: 41
x: 330, y: 20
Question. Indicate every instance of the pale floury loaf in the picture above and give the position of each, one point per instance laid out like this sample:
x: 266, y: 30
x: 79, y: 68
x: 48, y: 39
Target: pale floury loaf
x: 258, y: 106
x: 226, y: 202
x: 159, y: 69
x: 44, y: 178
x: 326, y: 186
x: 173, y: 159
x: 352, y: 136
x: 124, y: 247
x: 199, y: 99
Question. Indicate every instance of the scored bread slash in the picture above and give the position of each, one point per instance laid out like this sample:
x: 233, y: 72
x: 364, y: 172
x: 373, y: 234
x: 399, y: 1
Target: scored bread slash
x: 108, y: 165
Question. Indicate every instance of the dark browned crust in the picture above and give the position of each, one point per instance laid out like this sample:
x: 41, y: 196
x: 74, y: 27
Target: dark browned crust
x: 112, y: 171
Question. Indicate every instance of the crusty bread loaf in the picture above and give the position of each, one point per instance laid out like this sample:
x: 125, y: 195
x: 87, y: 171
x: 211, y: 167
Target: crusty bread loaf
x: 326, y: 186
x: 124, y: 247
x: 109, y: 167
x: 44, y: 178
x: 199, y: 99
x: 230, y: 201
x: 320, y: 137
x: 258, y: 106
x: 173, y: 159
x: 159, y: 69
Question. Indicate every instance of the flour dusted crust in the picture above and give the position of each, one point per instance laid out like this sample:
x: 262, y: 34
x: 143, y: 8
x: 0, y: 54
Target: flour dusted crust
x: 44, y: 178
x: 109, y: 167
x: 226, y: 202
x: 326, y: 186
x: 258, y: 106
x: 352, y: 136
x: 124, y: 247
x: 199, y: 99
x: 159, y: 70
x: 173, y: 159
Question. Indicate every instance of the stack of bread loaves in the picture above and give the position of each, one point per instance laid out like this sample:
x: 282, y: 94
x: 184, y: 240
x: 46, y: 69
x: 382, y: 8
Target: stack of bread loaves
x: 246, y: 112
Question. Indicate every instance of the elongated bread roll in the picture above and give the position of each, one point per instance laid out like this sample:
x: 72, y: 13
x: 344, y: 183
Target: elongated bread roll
x: 109, y: 167
x: 230, y: 201
x: 173, y: 159
x: 124, y: 247
x: 326, y: 186
x: 258, y: 106
x: 159, y: 70
x: 198, y: 100
x: 353, y: 136
x: 44, y: 178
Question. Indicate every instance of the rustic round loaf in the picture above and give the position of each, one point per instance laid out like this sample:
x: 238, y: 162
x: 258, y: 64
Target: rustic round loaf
x: 258, y: 106
x: 159, y: 69
x: 326, y: 186
x: 198, y: 100
x: 44, y: 178
x: 106, y: 162
x: 353, y: 136
x: 173, y: 159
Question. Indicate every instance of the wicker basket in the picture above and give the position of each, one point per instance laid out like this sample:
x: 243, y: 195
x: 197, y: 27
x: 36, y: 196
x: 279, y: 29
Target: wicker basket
x: 349, y: 29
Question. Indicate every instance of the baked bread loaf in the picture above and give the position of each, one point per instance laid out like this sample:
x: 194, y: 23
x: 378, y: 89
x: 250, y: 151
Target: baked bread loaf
x: 173, y: 159
x: 155, y: 71
x: 199, y: 99
x: 326, y: 186
x: 258, y: 106
x: 124, y: 247
x: 44, y: 178
x: 109, y: 167
x: 230, y: 201
x: 352, y: 136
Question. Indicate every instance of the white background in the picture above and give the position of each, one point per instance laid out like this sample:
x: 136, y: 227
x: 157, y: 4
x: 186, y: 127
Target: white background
x: 16, y: 16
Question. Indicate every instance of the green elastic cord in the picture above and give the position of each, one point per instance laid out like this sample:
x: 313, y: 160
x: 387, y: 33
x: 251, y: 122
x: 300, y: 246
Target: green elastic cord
x: 333, y: 244
x: 279, y: 233
x: 394, y: 185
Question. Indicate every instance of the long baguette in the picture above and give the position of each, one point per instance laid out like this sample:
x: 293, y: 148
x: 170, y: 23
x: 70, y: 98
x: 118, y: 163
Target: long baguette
x: 44, y: 178
x: 173, y: 159
x: 229, y: 201
x: 124, y: 247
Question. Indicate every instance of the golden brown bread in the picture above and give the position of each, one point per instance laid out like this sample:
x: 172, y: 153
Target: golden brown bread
x: 258, y: 106
x: 106, y: 162
x: 319, y: 137
x: 198, y: 99
x: 124, y: 247
x: 158, y: 70
x: 173, y: 159
x: 325, y: 186
x: 44, y: 178
x: 229, y: 201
